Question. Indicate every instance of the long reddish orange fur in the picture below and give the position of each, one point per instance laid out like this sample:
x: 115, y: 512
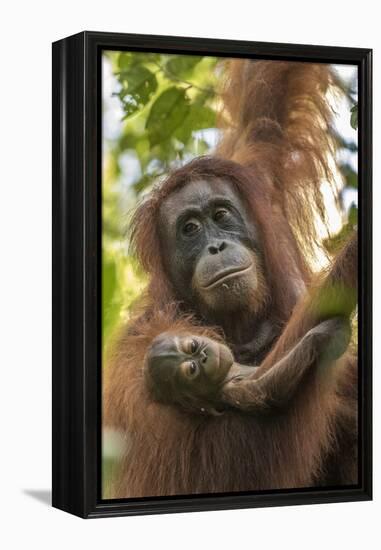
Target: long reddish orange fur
x: 278, y: 134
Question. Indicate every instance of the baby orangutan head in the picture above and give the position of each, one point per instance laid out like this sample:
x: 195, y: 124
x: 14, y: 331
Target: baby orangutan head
x: 190, y: 371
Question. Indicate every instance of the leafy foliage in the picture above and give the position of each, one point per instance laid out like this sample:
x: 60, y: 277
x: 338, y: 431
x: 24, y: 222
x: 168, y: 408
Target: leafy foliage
x: 354, y: 116
x: 166, y: 114
x: 167, y: 102
x: 138, y: 86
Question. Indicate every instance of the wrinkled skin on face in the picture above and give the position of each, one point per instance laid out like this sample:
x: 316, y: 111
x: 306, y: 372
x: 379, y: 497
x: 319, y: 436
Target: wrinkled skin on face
x: 189, y: 370
x: 211, y: 248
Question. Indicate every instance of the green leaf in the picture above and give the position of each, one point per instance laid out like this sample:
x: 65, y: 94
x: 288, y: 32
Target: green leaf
x: 167, y: 113
x: 350, y: 176
x: 335, y: 300
x: 139, y: 83
x: 354, y: 116
x: 108, y: 281
x: 334, y: 243
x: 353, y: 215
x: 351, y: 146
x: 127, y: 141
x: 110, y: 309
x: 199, y: 147
x: 127, y: 59
x: 182, y: 65
x: 143, y: 183
x: 199, y: 117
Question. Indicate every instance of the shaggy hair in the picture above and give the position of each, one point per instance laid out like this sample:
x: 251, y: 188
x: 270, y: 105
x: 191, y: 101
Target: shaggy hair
x: 276, y: 148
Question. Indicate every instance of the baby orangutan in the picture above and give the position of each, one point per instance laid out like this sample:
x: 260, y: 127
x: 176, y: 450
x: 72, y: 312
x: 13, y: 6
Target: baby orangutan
x: 199, y: 374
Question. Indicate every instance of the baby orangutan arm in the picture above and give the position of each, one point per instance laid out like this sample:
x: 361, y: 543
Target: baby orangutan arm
x: 274, y: 388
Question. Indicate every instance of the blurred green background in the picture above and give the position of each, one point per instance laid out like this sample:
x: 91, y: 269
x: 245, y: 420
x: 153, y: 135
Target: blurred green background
x: 159, y: 111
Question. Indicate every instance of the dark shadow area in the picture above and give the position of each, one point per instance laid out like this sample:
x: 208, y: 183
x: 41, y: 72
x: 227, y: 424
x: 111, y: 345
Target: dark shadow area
x: 43, y: 495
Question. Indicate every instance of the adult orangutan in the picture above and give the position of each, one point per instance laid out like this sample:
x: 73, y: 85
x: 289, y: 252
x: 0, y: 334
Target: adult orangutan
x: 224, y: 240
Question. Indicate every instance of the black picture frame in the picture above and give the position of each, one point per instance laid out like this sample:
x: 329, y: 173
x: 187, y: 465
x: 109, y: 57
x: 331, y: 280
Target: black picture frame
x: 77, y: 271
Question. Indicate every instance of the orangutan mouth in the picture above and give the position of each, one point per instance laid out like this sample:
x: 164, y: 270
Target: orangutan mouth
x: 226, y: 275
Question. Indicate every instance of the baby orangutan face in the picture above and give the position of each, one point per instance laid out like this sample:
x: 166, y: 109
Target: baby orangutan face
x: 189, y: 370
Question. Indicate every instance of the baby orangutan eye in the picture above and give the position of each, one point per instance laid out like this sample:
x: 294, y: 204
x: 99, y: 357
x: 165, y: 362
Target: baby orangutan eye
x: 193, y: 346
x: 190, y: 369
x: 190, y: 346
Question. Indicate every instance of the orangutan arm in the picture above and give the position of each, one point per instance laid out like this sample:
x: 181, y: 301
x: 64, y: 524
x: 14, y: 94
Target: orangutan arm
x: 317, y: 334
x: 274, y: 388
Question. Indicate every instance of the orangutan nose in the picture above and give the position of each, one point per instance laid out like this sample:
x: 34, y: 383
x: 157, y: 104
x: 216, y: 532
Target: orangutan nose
x: 203, y: 356
x: 217, y: 247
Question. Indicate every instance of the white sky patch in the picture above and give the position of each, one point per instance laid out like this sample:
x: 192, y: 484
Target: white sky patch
x: 130, y: 168
x: 114, y: 444
x: 112, y: 109
x: 348, y: 73
x: 211, y: 136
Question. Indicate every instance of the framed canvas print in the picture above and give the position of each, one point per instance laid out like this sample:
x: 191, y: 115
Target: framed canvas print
x: 211, y: 274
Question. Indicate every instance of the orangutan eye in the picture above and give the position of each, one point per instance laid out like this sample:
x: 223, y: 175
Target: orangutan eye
x: 190, y: 369
x: 191, y: 227
x: 193, y: 346
x: 220, y: 214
